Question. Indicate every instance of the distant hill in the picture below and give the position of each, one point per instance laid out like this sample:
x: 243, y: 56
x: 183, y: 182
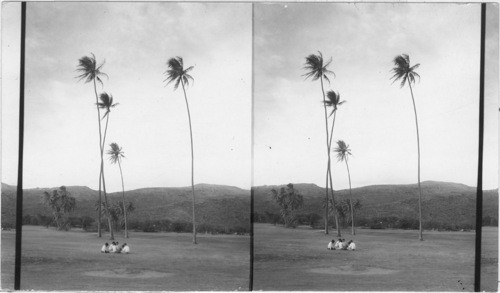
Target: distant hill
x: 215, y: 204
x: 226, y: 205
x: 442, y: 201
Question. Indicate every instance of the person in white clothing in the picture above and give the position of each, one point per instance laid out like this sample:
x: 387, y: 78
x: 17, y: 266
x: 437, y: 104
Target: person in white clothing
x: 112, y: 247
x: 338, y: 244
x: 344, y: 245
x: 352, y: 246
x: 125, y: 248
x: 105, y: 248
x: 331, y: 245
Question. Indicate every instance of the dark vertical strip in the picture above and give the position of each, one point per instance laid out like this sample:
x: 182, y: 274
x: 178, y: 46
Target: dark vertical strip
x: 19, y: 202
x: 250, y: 281
x: 479, y: 198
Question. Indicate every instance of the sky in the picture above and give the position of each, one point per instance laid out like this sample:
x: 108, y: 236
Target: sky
x: 150, y: 123
x: 377, y: 120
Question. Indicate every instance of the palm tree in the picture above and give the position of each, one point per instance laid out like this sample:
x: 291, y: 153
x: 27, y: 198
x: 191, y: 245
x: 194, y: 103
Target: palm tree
x: 333, y: 100
x: 177, y: 73
x: 343, y: 152
x: 106, y: 104
x: 89, y: 70
x: 317, y: 69
x: 404, y: 72
x: 116, y: 155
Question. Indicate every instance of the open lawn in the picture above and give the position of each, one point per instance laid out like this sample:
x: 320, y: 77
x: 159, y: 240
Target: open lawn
x: 489, y: 260
x: 53, y: 260
x: 386, y: 260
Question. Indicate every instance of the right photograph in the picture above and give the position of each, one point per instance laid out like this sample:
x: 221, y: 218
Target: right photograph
x: 366, y: 138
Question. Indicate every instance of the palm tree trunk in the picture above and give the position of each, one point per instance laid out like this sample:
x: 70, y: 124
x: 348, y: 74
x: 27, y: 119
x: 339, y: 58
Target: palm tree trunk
x: 106, y: 206
x: 419, y: 188
x: 353, y: 232
x: 100, y: 148
x: 329, y: 174
x: 328, y: 150
x: 192, y: 161
x: 123, y: 198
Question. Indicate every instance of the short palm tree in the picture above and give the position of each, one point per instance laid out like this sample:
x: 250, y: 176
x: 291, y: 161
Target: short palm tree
x: 90, y: 72
x: 343, y: 152
x: 177, y: 74
x: 318, y: 69
x: 115, y: 156
x: 406, y: 73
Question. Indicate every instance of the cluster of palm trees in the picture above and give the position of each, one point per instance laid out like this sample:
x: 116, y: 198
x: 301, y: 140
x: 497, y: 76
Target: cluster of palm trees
x: 91, y: 72
x: 317, y: 69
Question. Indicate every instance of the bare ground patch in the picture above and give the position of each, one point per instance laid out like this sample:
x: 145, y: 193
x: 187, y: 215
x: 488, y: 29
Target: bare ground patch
x: 351, y: 270
x: 128, y: 273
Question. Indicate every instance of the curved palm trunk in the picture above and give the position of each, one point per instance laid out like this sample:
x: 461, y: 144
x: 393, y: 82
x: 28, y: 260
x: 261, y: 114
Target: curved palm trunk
x: 192, y: 161
x: 419, y: 188
x: 328, y: 150
x: 106, y: 206
x: 123, y: 197
x: 329, y: 174
x: 100, y: 174
x: 353, y: 232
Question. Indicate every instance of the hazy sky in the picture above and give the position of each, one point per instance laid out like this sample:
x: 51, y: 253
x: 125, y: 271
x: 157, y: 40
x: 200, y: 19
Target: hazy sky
x: 136, y: 39
x: 378, y: 120
x: 150, y: 122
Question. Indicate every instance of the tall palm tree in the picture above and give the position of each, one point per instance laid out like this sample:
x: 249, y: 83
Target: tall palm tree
x: 343, y: 152
x: 318, y: 69
x: 333, y: 101
x: 106, y: 104
x: 406, y: 73
x: 116, y: 155
x: 90, y: 72
x: 176, y: 73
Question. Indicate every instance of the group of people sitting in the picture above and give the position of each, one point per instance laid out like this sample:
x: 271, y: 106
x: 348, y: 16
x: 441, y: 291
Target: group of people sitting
x: 115, y: 248
x: 341, y: 244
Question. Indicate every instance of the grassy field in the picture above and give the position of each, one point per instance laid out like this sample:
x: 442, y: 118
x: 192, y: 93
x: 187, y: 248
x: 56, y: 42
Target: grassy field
x: 386, y: 260
x: 53, y: 260
x: 489, y: 261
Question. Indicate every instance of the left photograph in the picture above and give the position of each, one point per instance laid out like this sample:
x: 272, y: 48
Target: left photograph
x: 137, y: 146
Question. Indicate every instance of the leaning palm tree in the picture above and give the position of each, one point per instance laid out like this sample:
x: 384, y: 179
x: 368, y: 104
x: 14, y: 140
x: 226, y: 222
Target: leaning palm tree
x: 116, y: 155
x: 343, y: 152
x: 176, y: 73
x: 90, y: 72
x: 318, y: 69
x: 404, y: 72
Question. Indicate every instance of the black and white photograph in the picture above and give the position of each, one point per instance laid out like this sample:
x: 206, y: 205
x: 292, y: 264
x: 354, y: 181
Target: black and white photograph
x: 366, y: 145
x: 241, y: 146
x: 137, y: 146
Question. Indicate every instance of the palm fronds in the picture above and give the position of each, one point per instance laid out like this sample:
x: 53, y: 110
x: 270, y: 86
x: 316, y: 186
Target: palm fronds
x: 402, y: 70
x: 89, y: 70
x: 343, y: 151
x: 116, y: 153
x: 333, y: 100
x: 106, y: 103
x: 177, y: 73
x: 316, y: 67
